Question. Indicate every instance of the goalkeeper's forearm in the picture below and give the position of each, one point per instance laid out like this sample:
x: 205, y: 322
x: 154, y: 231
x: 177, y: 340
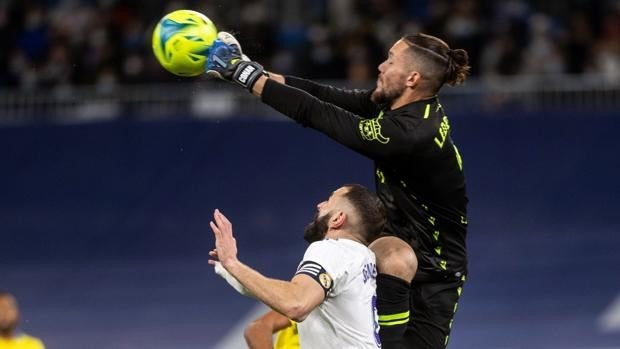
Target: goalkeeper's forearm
x: 259, y: 85
x: 277, y: 77
x: 257, y: 89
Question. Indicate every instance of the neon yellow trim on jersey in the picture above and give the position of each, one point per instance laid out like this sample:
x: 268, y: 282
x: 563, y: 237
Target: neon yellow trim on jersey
x: 444, y: 127
x: 370, y: 129
x: 427, y: 112
x: 381, y: 176
x: 443, y: 265
x: 431, y: 220
x: 463, y: 220
x: 436, y: 235
x: 396, y: 316
x: 438, y: 250
x: 459, y: 160
x: 394, y: 323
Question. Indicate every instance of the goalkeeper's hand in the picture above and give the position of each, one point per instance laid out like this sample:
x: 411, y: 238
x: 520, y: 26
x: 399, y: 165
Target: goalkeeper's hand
x: 230, y: 40
x: 226, y: 61
x: 221, y: 271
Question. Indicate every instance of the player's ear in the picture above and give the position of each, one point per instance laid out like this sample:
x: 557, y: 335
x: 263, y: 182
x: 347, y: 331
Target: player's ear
x: 413, y: 79
x: 337, y: 220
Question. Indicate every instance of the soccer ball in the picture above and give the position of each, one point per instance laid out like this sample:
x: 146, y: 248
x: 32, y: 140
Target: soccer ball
x: 181, y: 42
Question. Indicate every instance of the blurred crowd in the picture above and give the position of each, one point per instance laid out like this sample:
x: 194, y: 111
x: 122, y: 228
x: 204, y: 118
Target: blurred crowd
x: 49, y: 43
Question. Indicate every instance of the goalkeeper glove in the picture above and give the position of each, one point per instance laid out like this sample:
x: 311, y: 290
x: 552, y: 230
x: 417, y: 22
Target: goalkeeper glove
x: 230, y: 40
x: 225, y: 61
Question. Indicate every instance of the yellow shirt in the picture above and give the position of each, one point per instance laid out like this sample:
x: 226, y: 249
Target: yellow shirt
x: 21, y: 341
x: 286, y: 338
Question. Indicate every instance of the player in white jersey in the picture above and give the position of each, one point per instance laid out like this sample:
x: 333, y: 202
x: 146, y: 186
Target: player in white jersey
x: 332, y: 294
x: 347, y: 272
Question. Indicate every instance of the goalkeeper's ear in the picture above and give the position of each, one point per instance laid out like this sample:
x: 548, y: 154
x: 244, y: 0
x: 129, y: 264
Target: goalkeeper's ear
x: 230, y: 40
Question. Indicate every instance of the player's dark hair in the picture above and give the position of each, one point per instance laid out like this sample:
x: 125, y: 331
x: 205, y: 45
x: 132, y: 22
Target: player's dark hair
x: 370, y: 209
x: 441, y: 64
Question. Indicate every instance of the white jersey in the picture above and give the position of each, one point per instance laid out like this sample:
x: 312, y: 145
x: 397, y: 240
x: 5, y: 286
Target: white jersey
x: 347, y: 318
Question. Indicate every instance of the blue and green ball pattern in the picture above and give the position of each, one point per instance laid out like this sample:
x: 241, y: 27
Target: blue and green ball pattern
x: 181, y: 42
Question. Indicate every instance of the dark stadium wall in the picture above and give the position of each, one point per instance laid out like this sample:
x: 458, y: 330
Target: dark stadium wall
x: 104, y: 227
x: 140, y: 190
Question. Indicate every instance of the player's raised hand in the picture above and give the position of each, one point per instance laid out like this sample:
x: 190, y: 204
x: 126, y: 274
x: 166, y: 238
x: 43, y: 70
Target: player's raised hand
x: 231, y: 40
x: 225, y: 243
x: 225, y: 61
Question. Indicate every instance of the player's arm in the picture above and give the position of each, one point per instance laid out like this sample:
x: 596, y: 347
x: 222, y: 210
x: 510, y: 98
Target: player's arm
x: 259, y: 333
x: 375, y: 138
x: 356, y: 101
x: 294, y: 299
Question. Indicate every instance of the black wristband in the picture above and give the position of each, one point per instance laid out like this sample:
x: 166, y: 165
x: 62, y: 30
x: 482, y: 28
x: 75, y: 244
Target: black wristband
x: 247, y: 73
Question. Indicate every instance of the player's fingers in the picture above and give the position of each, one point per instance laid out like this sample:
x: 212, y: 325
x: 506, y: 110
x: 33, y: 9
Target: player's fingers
x: 212, y: 262
x: 217, y: 218
x: 224, y: 220
x: 221, y: 222
x: 216, y: 230
x: 214, y: 74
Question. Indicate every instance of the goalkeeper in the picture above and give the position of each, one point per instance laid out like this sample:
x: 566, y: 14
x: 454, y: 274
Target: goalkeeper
x: 403, y: 128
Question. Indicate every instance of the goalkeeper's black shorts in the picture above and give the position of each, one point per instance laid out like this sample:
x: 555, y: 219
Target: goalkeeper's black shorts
x: 433, y: 305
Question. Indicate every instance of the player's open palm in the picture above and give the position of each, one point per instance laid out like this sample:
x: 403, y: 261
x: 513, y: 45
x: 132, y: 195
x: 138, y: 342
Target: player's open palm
x: 225, y: 243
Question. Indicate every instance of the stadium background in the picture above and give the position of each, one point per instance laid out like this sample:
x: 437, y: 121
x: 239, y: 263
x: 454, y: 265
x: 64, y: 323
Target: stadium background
x: 111, y: 167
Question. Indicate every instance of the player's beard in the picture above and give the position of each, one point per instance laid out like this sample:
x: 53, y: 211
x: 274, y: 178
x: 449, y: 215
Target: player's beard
x: 7, y: 327
x: 387, y: 94
x: 316, y: 230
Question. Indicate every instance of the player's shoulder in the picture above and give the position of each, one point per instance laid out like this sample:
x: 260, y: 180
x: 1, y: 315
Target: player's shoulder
x: 339, y: 249
x: 336, y: 244
x: 326, y: 246
x: 29, y: 342
x: 420, y: 112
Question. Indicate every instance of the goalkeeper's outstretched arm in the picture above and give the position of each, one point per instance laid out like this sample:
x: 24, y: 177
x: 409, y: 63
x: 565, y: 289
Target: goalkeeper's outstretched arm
x: 227, y: 61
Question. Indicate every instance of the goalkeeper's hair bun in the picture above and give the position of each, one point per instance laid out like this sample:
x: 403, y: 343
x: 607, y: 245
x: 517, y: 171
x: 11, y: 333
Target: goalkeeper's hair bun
x: 458, y: 66
x: 445, y: 64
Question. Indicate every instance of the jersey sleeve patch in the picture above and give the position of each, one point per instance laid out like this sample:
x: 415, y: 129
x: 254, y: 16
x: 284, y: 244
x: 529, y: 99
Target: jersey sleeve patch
x: 370, y: 129
x: 318, y: 273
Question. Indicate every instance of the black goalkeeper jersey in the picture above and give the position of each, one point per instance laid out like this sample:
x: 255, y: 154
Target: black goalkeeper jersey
x: 419, y: 172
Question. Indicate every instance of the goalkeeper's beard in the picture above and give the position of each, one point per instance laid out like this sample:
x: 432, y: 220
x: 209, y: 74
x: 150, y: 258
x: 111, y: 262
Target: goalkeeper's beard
x: 386, y: 95
x: 316, y: 230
